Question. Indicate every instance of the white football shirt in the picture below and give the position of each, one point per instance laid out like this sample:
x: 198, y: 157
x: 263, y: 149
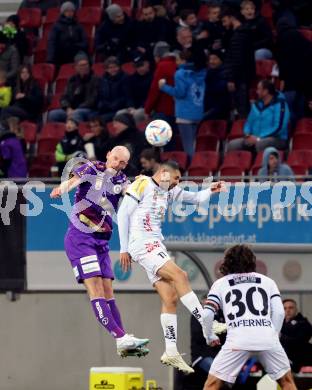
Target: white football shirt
x: 246, y: 300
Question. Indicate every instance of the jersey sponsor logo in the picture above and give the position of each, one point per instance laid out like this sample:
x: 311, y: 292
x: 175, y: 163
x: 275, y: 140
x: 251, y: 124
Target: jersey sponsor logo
x: 251, y: 323
x: 150, y: 246
x: 196, y: 314
x: 170, y: 333
x: 244, y: 279
x: 147, y: 223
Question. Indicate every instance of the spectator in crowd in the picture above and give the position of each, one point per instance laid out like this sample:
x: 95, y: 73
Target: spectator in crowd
x: 239, y: 62
x: 66, y: 38
x: 295, y: 336
x: 184, y: 39
x: 217, y: 98
x: 267, y: 122
x: 188, y: 92
x: 261, y: 31
x: 113, y: 90
x: 28, y: 97
x: 96, y: 142
x: 18, y: 36
x: 189, y: 20
x: 80, y: 99
x: 294, y: 57
x: 12, y: 157
x: 9, y: 59
x: 115, y: 36
x: 272, y: 168
x: 151, y: 29
x: 150, y: 161
x: 126, y: 134
x: 214, y: 26
x: 5, y: 91
x: 44, y: 5
x: 71, y: 145
x: 158, y: 104
x: 138, y: 86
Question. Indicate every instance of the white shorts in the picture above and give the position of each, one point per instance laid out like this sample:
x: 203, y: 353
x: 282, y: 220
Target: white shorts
x: 151, y: 255
x: 228, y: 363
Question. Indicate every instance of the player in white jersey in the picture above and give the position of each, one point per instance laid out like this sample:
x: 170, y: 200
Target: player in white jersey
x: 254, y: 314
x: 139, y: 222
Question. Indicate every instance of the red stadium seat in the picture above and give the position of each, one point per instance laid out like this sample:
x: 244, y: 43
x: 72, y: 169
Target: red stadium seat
x: 205, y: 162
x: 300, y: 157
x: 84, y: 128
x: 46, y: 28
x: 92, y: 3
x: 179, y: 157
x: 304, y: 125
x: 128, y: 68
x: 238, y: 158
x: 231, y: 171
x: 66, y: 71
x: 43, y: 84
x: 237, y: 129
x: 142, y: 125
x: 30, y: 17
x: 98, y: 68
x: 264, y: 68
x: 89, y: 29
x: 299, y: 169
x: 89, y: 15
x: 47, y: 144
x: 213, y: 127
x: 44, y: 71
x: 55, y: 102
x: 302, y: 141
x: 52, y: 15
x: 123, y: 3
x: 53, y: 130
x: 203, y: 12
x: 307, y: 33
x: 40, y: 52
x: 110, y: 127
x: 30, y: 131
x: 207, y: 142
x: 41, y: 165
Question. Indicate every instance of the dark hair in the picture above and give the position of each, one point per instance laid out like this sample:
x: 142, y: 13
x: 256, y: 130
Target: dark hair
x: 238, y: 259
x: 24, y: 86
x: 150, y: 154
x: 171, y: 164
x: 232, y: 13
x: 290, y: 300
x: 185, y: 13
x: 269, y: 86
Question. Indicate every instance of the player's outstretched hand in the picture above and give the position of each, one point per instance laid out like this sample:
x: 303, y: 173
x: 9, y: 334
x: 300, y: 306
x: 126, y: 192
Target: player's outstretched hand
x: 213, y: 340
x: 125, y: 261
x: 56, y: 192
x: 219, y: 186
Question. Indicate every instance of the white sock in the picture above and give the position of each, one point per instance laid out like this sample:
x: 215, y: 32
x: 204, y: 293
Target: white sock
x: 169, y: 325
x: 191, y: 302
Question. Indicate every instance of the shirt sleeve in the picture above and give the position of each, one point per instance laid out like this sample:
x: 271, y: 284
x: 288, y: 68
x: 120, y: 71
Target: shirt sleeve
x: 277, y: 308
x: 214, y: 298
x: 126, y: 209
x: 190, y: 196
x: 85, y: 169
x: 5, y: 151
x: 137, y: 188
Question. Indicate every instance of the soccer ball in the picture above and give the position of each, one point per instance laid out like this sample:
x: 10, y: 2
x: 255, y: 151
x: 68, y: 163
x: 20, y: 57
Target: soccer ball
x: 158, y: 133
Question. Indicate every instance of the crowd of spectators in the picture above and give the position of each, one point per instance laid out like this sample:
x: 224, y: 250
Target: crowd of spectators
x: 186, y: 68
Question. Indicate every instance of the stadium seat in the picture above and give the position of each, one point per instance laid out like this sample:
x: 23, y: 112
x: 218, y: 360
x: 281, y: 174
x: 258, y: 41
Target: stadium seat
x: 128, y: 68
x: 204, y: 163
x: 30, y: 17
x: 304, y: 125
x: 267, y: 12
x: 237, y: 129
x: 237, y: 158
x: 30, y: 131
x: 53, y: 130
x: 306, y: 370
x: 231, y: 171
x: 142, y: 125
x: 299, y: 169
x: 203, y: 12
x: 206, y: 142
x: 92, y: 3
x: 258, y: 162
x: 307, y: 33
x: 264, y: 68
x: 89, y: 30
x: 40, y: 52
x: 98, y: 68
x: 123, y: 3
x: 52, y: 15
x: 47, y: 145
x: 110, y: 127
x: 46, y: 28
x: 302, y: 141
x: 41, y: 165
x: 89, y: 15
x: 43, y: 84
x: 179, y: 157
x: 44, y: 71
x: 66, y: 71
x: 300, y: 157
x: 55, y: 102
x: 84, y: 128
x: 213, y: 127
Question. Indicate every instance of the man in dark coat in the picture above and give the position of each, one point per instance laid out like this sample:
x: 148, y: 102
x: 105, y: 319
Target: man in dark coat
x: 66, y: 38
x: 80, y: 99
x: 239, y: 62
x: 295, y: 335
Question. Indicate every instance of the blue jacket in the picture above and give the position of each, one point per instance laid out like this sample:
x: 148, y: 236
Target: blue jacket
x: 189, y: 92
x: 281, y: 169
x: 268, y: 121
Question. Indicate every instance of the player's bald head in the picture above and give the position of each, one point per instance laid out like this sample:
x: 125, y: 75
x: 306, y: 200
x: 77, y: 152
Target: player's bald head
x: 118, y: 158
x: 121, y: 151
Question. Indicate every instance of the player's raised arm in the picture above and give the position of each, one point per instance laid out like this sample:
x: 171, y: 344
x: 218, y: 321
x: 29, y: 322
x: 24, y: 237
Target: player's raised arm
x: 64, y: 187
x: 199, y: 196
